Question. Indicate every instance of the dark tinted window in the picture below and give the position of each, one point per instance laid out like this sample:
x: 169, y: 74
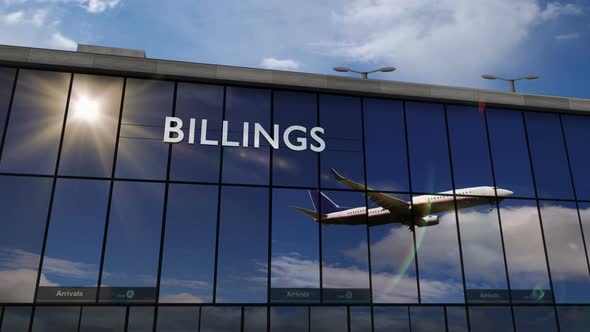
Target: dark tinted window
x: 548, y: 154
x: 189, y: 246
x: 16, y: 319
x: 345, y: 254
x: 385, y: 144
x: 534, y: 319
x: 24, y: 203
x: 577, y: 138
x: 255, y: 319
x: 141, y: 319
x: 427, y: 319
x: 295, y: 248
x: 490, y: 319
x: 512, y: 167
x: 91, y: 128
x: 341, y: 118
x: 196, y: 162
x: 141, y: 153
x: 177, y: 319
x: 221, y: 319
x: 243, y: 240
x: 96, y: 319
x: 76, y: 230
x: 387, y: 319
x: 429, y: 152
x: 6, y: 82
x: 133, y: 242
x: 289, y: 319
x: 525, y: 254
x: 360, y: 319
x: 565, y: 250
x: 295, y: 168
x: 456, y: 319
x: 36, y: 120
x: 573, y: 319
x: 63, y: 319
x: 328, y: 319
x: 241, y: 164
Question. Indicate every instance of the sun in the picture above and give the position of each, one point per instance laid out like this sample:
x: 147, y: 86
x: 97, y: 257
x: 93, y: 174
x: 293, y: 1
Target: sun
x: 86, y: 109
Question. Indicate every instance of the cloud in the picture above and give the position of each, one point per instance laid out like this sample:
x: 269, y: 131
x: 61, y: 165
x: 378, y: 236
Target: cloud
x: 182, y: 298
x: 279, y: 64
x: 12, y: 18
x: 98, y: 6
x: 568, y: 36
x: 61, y: 42
x: 557, y: 9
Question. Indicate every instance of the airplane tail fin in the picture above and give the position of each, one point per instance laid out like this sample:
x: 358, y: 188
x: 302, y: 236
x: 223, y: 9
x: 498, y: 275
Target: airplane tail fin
x: 323, y: 202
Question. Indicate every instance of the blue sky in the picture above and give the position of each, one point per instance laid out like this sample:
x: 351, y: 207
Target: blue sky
x: 430, y: 41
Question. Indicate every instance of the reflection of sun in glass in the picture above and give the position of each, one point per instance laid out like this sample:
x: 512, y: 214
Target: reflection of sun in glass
x: 86, y: 109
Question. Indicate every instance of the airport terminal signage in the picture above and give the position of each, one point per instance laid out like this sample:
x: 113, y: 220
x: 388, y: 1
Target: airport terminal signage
x: 296, y: 138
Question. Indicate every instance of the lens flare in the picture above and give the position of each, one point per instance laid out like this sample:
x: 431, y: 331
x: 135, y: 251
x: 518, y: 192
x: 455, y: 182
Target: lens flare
x: 86, y: 109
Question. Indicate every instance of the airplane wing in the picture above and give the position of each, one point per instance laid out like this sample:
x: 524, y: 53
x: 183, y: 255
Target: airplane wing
x: 385, y: 201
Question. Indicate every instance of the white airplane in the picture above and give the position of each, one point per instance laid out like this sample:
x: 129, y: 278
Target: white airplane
x: 395, y: 210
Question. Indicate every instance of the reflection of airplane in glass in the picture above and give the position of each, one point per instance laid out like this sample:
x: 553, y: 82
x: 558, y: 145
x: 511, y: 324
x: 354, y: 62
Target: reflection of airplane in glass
x: 395, y: 210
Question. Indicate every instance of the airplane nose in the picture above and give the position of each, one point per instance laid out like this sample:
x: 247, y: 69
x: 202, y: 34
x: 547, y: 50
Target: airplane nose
x: 504, y: 192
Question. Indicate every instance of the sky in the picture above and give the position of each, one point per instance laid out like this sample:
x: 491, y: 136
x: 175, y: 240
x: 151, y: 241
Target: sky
x: 449, y: 42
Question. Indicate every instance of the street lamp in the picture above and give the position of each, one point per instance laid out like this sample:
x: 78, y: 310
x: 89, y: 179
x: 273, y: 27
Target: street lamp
x: 511, y: 80
x: 364, y: 74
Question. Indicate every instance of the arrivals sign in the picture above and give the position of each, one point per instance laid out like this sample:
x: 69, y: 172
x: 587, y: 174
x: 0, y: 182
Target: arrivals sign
x: 296, y: 138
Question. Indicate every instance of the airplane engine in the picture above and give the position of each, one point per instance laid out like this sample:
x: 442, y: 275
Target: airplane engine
x: 428, y: 221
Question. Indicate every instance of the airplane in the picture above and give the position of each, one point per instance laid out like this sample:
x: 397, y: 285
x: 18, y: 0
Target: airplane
x: 395, y: 210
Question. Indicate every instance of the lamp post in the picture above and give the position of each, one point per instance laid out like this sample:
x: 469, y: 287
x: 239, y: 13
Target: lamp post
x: 364, y: 74
x: 511, y: 80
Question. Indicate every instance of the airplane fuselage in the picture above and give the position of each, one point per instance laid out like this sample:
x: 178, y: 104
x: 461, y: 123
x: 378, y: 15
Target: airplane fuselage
x: 423, y: 207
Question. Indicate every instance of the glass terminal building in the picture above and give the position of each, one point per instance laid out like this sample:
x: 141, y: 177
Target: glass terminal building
x: 151, y: 195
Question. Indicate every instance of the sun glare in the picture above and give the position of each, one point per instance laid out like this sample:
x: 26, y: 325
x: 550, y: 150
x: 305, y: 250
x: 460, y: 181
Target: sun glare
x: 86, y: 109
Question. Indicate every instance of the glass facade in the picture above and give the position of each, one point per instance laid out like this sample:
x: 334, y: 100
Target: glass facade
x: 397, y: 216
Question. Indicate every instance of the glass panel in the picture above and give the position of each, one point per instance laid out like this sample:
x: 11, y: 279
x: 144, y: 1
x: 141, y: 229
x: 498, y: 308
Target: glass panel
x: 196, y: 162
x: 386, y: 319
x: 429, y: 152
x: 341, y: 118
x: 254, y: 319
x: 469, y: 147
x: 6, y: 83
x: 427, y: 319
x: 385, y: 144
x: 24, y: 203
x: 74, y: 241
x: 63, y: 319
x: 141, y: 319
x: 289, y: 319
x: 249, y: 165
x: 456, y: 319
x: 534, y: 319
x: 295, y: 268
x: 393, y: 263
x: 16, y: 319
x: 584, y: 210
x: 243, y: 242
x: 548, y: 154
x: 439, y: 262
x: 512, y: 167
x: 490, y: 319
x: 96, y: 319
x: 142, y: 154
x: 328, y: 319
x: 483, y: 258
x: 573, y: 319
x: 360, y: 319
x: 133, y: 242
x: 577, y: 138
x: 189, y: 246
x: 91, y: 128
x: 36, y: 120
x: 345, y: 261
x: 295, y: 168
x: 571, y: 280
x: 177, y: 319
x: 525, y: 254
x: 221, y: 319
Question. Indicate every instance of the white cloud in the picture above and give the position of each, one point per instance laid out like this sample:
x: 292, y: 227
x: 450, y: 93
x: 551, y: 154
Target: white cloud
x: 557, y: 9
x: 61, y: 42
x: 12, y: 18
x: 568, y: 36
x: 279, y: 64
x: 98, y: 6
